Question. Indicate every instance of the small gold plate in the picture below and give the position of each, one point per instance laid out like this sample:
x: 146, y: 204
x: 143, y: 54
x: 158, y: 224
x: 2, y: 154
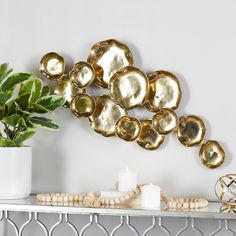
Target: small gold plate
x: 106, y: 114
x: 212, y: 154
x: 65, y: 88
x: 149, y: 138
x: 107, y: 57
x: 191, y: 130
x: 165, y: 91
x: 82, y: 105
x: 165, y: 121
x: 82, y: 74
x: 129, y: 87
x: 128, y: 128
x: 52, y: 65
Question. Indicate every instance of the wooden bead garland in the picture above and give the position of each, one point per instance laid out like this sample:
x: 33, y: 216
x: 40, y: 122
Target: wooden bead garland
x: 88, y: 200
x: 92, y: 200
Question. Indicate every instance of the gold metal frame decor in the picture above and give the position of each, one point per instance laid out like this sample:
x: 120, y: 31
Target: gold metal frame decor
x: 110, y: 65
x: 225, y: 190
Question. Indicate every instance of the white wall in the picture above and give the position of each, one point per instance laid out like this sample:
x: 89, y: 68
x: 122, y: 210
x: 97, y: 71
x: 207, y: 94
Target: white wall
x: 193, y: 39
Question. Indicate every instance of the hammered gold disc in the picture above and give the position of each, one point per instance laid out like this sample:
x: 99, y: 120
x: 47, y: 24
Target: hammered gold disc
x: 191, y: 130
x: 52, y: 65
x: 165, y: 91
x: 82, y: 74
x: 107, y: 57
x: 212, y: 154
x: 82, y: 105
x: 105, y: 116
x: 149, y: 138
x: 128, y: 128
x: 66, y: 89
x: 129, y: 87
x: 165, y: 121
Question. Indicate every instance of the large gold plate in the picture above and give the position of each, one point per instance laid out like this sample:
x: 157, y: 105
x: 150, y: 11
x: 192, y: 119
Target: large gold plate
x: 82, y: 74
x: 191, y: 130
x: 165, y: 91
x: 82, y: 105
x: 107, y: 57
x: 128, y: 128
x: 65, y: 88
x: 52, y: 66
x: 106, y: 114
x: 129, y: 87
x: 149, y: 139
x: 212, y: 154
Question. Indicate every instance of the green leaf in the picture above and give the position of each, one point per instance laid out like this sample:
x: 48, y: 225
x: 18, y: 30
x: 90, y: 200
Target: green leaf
x: 51, y: 102
x: 24, y: 135
x: 4, y: 71
x: 22, y: 124
x: 45, y: 91
x: 4, y: 96
x: 36, y: 91
x: 11, y: 120
x: 12, y: 81
x: 23, y: 101
x: 26, y: 87
x: 37, y: 108
x: 7, y: 143
x: 42, y: 122
x: 32, y: 86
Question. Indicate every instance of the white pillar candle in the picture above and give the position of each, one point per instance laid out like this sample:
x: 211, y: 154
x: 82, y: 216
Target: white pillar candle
x: 127, y: 180
x: 151, y: 196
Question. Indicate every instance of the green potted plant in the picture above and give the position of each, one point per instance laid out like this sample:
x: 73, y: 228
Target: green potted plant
x: 22, y: 98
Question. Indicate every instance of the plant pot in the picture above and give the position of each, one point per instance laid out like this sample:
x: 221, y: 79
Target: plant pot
x: 15, y: 172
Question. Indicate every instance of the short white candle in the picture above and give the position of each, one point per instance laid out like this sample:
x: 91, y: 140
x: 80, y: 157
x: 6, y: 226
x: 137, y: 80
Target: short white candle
x: 151, y: 196
x: 127, y: 181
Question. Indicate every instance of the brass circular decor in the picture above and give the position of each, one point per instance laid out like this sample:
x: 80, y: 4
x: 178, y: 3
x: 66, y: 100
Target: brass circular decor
x: 212, y: 154
x: 129, y: 87
x: 65, y: 88
x: 149, y: 138
x: 52, y: 65
x: 128, y: 128
x: 165, y: 121
x: 164, y: 92
x: 110, y: 65
x: 82, y: 74
x: 225, y: 190
x: 107, y: 57
x: 82, y: 105
x: 106, y: 114
x: 191, y: 130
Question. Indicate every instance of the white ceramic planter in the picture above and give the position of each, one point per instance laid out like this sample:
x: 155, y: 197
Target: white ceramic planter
x: 15, y: 172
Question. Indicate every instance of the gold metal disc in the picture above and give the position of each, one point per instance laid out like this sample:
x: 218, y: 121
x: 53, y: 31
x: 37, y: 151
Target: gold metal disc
x: 149, y: 138
x: 165, y: 91
x: 82, y: 74
x: 107, y: 57
x: 191, y: 130
x: 106, y: 114
x: 82, y: 105
x: 128, y: 128
x: 129, y: 87
x: 65, y: 88
x: 212, y: 154
x: 52, y: 65
x: 165, y: 121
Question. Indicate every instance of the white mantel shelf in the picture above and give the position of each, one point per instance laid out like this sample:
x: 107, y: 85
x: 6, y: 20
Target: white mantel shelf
x: 30, y: 205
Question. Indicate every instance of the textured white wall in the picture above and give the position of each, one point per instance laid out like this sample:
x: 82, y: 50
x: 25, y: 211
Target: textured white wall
x: 193, y: 39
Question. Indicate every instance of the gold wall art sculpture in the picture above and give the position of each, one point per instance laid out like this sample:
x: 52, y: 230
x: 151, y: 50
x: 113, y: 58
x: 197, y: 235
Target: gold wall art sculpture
x: 110, y: 65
